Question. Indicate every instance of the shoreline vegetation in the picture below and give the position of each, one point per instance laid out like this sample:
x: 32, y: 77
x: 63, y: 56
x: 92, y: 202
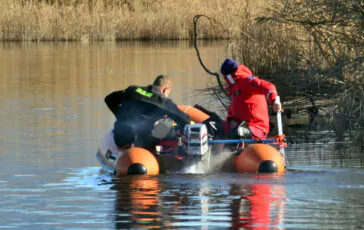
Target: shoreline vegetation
x: 312, y: 49
x: 112, y: 20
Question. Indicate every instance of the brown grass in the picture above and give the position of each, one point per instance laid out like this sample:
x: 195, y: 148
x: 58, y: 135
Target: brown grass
x: 39, y: 20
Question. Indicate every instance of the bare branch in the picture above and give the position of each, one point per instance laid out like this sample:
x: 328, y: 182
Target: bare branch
x: 211, y: 20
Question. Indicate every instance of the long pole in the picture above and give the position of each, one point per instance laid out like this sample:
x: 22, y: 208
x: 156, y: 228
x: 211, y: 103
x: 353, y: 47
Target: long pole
x: 280, y: 130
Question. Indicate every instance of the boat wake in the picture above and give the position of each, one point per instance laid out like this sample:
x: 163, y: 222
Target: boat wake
x: 91, y: 177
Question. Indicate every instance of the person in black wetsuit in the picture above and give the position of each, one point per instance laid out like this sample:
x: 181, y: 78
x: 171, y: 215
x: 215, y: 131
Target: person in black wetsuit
x: 141, y: 114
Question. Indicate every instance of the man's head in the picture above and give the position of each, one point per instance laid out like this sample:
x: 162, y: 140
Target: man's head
x: 164, y: 84
x: 228, y: 67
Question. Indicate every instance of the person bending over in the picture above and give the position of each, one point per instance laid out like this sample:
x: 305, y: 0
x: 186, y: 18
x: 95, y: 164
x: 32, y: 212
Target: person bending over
x: 248, y: 109
x: 144, y: 114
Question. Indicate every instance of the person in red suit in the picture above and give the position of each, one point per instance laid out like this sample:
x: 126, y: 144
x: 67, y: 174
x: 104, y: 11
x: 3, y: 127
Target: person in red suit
x: 248, y: 111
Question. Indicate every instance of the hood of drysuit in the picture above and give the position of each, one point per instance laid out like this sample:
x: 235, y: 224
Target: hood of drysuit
x: 241, y: 72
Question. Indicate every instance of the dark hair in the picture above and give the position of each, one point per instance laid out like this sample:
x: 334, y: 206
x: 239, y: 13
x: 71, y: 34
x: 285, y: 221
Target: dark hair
x: 161, y: 80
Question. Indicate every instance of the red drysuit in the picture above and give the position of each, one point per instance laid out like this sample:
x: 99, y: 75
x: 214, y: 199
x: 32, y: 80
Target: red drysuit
x: 249, y: 96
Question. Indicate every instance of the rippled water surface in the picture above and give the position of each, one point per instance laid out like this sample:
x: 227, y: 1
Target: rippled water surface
x: 53, y: 117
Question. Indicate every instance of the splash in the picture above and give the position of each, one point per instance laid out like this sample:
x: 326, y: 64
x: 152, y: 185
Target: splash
x: 212, y: 163
x: 192, y: 169
x: 221, y: 162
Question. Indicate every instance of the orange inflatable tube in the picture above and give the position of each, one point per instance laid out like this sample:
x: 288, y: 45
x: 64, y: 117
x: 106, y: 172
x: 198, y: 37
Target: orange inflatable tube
x: 254, y: 158
x: 137, y: 161
x: 196, y: 115
x: 259, y: 158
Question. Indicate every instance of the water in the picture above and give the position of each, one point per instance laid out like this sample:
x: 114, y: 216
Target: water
x: 53, y: 117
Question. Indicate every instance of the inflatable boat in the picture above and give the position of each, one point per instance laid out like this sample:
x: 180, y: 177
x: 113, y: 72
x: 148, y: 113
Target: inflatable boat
x: 193, y: 149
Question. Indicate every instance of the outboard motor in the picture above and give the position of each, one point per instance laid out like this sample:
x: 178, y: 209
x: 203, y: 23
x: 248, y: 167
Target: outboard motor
x: 196, y: 139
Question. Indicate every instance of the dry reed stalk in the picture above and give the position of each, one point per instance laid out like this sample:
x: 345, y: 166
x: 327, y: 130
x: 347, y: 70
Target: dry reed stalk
x: 118, y: 19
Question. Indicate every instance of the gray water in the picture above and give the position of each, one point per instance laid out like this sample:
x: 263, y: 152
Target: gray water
x: 53, y: 117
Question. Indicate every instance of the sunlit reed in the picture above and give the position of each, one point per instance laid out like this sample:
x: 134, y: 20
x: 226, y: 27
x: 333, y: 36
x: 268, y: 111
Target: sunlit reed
x: 86, y: 20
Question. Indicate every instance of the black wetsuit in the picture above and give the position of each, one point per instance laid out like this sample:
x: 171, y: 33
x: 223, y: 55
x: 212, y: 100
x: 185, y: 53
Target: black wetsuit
x: 136, y: 110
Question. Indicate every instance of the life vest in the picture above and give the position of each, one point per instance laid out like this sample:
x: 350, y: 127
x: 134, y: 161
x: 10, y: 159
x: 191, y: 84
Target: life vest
x: 249, y: 96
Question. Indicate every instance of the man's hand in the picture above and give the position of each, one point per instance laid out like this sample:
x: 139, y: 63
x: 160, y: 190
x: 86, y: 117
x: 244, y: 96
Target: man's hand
x: 277, y: 107
x: 214, y: 127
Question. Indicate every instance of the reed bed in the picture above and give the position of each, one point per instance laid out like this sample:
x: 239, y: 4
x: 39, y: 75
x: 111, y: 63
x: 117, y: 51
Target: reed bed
x: 39, y: 20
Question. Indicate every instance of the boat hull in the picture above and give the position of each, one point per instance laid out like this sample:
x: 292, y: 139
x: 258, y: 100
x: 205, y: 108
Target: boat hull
x: 121, y: 161
x: 126, y: 161
x: 254, y: 158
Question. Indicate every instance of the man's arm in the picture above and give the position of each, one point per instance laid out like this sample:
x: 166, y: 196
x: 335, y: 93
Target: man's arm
x: 115, y: 99
x: 266, y: 88
x: 175, y: 113
x: 260, y: 86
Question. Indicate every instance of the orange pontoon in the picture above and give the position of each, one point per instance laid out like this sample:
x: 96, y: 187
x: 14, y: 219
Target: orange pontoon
x: 189, y: 150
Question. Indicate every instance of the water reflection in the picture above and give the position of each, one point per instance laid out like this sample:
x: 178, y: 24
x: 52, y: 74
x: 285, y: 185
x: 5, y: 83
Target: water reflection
x: 154, y: 202
x: 137, y: 202
x: 261, y: 206
x: 307, y: 200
